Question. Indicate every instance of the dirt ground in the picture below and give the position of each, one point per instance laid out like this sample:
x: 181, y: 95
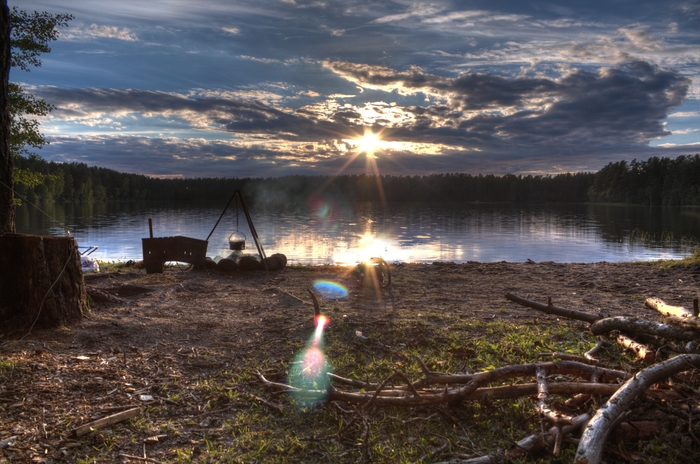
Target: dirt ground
x: 185, y: 324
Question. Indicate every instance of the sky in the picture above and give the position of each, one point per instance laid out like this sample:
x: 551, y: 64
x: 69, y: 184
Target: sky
x: 268, y: 88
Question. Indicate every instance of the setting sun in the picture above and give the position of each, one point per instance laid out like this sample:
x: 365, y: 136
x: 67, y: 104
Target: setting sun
x: 369, y: 143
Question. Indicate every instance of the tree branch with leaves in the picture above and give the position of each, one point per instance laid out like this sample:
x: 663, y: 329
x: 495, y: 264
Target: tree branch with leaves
x: 28, y: 36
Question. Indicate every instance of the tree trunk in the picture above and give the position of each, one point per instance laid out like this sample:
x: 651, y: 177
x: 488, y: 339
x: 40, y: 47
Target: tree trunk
x: 41, y: 282
x: 7, y: 205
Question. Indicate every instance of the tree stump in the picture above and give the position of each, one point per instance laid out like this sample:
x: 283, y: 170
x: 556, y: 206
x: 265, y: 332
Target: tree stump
x: 41, y: 282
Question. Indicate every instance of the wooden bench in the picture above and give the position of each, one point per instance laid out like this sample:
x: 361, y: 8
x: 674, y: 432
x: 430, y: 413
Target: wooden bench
x: 158, y: 250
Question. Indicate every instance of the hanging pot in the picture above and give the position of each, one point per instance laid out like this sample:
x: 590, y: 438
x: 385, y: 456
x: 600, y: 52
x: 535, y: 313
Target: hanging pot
x: 236, y: 241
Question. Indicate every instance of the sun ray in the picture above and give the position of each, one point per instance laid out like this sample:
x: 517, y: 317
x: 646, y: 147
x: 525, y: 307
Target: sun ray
x: 369, y: 143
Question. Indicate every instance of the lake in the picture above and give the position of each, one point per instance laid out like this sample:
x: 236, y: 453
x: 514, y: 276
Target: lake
x: 323, y: 232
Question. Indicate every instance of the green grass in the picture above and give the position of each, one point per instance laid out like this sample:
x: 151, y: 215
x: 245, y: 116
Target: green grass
x: 691, y: 261
x: 229, y: 416
x: 7, y: 367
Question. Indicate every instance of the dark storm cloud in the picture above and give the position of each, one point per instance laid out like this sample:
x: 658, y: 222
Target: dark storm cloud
x: 626, y: 104
x: 230, y: 115
x: 260, y: 87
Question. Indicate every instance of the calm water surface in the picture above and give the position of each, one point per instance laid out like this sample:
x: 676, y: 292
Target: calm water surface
x: 325, y: 232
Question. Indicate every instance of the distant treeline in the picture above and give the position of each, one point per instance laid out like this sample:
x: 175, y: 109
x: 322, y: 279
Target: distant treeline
x: 656, y: 181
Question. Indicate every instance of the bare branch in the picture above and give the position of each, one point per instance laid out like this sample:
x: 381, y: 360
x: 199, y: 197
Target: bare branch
x: 633, y: 324
x: 590, y: 448
x: 667, y: 310
x: 543, y: 407
x: 549, y: 309
x: 643, y: 352
x: 590, y: 354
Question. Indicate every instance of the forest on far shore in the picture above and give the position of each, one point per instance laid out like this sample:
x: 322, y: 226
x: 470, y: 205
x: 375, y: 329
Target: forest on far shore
x: 656, y: 181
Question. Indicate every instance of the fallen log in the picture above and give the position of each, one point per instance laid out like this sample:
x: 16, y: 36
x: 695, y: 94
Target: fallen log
x: 667, y: 310
x: 633, y: 324
x: 590, y: 447
x: 690, y: 322
x: 556, y: 310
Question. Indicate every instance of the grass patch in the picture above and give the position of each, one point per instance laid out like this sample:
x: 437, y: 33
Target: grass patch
x: 690, y: 261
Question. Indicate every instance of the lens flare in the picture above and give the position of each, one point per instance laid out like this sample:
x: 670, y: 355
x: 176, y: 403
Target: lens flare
x: 330, y: 290
x: 309, y: 371
x: 370, y: 247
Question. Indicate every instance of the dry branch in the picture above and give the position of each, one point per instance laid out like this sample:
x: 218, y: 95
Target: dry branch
x: 590, y: 448
x: 527, y: 445
x: 590, y: 354
x: 105, y: 421
x: 667, y: 310
x: 494, y: 393
x: 543, y: 407
x: 550, y: 309
x: 100, y: 296
x: 633, y: 324
x: 567, y: 357
x: 643, y: 352
x: 434, y: 388
x: 690, y: 322
x: 7, y: 441
x: 138, y: 458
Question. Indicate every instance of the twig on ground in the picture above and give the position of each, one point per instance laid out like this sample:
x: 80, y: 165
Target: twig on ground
x: 105, y: 421
x: 138, y: 458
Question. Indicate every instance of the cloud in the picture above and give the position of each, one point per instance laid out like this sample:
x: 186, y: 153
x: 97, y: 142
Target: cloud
x: 231, y: 30
x: 613, y: 104
x: 417, y: 10
x: 612, y: 107
x: 94, y: 32
x: 566, y: 118
x: 684, y: 114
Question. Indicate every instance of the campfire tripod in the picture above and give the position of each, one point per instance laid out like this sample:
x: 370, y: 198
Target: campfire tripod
x: 158, y: 250
x: 237, y: 195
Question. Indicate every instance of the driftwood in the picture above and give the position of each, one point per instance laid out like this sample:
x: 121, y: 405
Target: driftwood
x: 550, y: 309
x: 633, y: 324
x: 667, y: 310
x: 590, y: 448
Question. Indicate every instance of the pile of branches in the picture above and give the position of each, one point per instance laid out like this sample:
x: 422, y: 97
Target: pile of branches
x: 649, y: 340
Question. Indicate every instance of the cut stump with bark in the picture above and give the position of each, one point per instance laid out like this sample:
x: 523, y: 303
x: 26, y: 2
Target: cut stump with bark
x: 41, y: 282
